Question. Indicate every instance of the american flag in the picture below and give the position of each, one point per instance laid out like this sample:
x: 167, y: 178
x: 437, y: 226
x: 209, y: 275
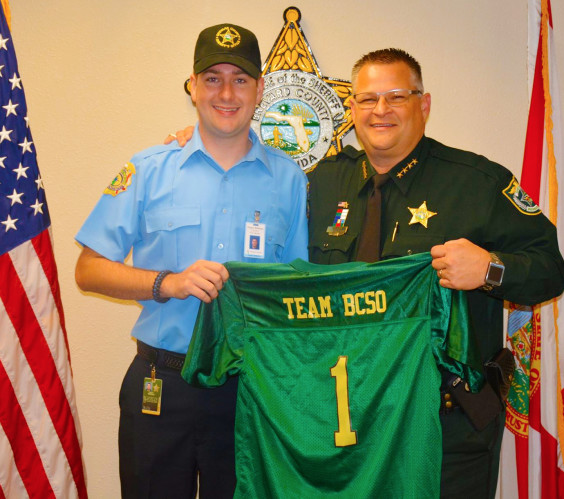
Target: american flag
x: 40, y: 441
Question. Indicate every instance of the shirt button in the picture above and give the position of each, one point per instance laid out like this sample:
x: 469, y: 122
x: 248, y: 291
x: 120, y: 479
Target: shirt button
x: 448, y: 404
x: 409, y: 252
x: 170, y: 224
x: 224, y: 210
x: 220, y: 246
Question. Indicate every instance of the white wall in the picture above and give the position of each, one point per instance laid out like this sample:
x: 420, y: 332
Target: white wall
x: 104, y: 79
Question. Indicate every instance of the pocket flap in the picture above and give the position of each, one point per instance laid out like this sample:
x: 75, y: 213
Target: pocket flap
x: 172, y: 218
x: 324, y: 242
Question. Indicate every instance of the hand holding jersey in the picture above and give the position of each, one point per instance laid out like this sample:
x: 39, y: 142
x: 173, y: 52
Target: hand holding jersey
x: 203, y: 280
x: 460, y: 264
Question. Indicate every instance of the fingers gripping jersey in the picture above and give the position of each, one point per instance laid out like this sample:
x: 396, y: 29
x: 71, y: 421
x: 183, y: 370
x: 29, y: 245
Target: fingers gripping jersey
x: 339, y: 385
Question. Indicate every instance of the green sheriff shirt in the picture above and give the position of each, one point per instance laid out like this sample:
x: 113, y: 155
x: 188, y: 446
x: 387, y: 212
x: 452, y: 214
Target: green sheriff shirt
x: 435, y: 195
x: 338, y: 379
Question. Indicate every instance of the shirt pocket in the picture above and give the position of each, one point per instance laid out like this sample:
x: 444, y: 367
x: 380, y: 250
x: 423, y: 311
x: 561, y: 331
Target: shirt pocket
x: 276, y: 232
x: 415, y: 243
x: 275, y: 242
x: 167, y: 227
x: 326, y: 249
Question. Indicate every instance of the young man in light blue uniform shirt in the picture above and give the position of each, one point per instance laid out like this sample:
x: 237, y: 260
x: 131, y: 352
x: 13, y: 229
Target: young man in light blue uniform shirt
x: 182, y: 212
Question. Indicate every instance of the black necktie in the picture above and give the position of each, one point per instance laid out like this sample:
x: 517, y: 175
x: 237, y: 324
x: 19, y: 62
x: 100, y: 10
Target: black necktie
x: 369, y: 245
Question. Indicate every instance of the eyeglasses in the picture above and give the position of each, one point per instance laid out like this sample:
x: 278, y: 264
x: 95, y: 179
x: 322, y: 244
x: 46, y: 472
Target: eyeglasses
x: 396, y: 97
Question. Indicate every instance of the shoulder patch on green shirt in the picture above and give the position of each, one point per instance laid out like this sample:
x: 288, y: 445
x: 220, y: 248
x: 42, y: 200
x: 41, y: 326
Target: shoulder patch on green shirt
x: 122, y: 180
x: 520, y: 199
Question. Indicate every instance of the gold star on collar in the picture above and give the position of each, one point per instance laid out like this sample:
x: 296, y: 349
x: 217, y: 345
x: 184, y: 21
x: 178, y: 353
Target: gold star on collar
x: 408, y: 167
x: 421, y: 215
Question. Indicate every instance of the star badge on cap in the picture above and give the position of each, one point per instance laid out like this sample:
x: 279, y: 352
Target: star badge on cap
x: 421, y: 215
x: 228, y: 37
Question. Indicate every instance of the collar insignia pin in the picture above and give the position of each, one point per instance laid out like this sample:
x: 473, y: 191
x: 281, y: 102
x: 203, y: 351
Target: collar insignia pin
x: 364, y: 171
x: 408, y: 167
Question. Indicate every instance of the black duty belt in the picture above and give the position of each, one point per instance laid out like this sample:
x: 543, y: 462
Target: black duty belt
x: 160, y: 357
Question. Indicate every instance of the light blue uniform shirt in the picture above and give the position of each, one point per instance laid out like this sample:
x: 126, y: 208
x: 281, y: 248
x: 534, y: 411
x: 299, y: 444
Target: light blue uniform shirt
x: 182, y: 206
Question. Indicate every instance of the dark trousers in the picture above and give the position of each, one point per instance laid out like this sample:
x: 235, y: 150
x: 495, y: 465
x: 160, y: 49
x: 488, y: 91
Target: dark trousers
x: 191, y: 440
x: 470, y: 458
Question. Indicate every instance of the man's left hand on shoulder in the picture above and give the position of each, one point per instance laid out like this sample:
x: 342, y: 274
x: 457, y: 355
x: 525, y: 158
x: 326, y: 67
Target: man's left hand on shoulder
x: 181, y: 136
x: 460, y: 264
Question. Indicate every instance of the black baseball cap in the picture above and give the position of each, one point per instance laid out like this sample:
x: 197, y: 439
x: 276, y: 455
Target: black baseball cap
x: 227, y: 43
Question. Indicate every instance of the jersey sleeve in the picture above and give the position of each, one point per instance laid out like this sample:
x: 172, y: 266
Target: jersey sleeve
x: 525, y: 241
x: 455, y: 346
x: 216, y: 349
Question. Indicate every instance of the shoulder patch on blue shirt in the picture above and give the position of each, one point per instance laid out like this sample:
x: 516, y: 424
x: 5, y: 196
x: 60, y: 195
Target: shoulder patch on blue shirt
x: 520, y: 199
x: 122, y: 180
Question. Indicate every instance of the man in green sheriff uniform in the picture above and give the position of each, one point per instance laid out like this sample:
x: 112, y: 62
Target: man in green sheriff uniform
x: 456, y: 204
x: 468, y: 211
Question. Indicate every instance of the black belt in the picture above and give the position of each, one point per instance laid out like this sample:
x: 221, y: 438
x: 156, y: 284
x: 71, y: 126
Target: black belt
x: 160, y: 357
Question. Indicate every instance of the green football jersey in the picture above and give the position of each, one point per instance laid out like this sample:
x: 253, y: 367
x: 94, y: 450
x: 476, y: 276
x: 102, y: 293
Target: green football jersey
x: 338, y: 375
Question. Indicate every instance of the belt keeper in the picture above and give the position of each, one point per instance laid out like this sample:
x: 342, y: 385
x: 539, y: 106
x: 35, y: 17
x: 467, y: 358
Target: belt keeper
x: 157, y: 286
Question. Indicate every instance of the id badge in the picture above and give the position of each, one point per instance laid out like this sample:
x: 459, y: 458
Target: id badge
x: 152, y: 394
x: 254, y: 240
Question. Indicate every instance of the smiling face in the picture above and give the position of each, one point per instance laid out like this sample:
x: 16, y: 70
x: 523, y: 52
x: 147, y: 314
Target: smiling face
x: 388, y: 134
x: 225, y: 97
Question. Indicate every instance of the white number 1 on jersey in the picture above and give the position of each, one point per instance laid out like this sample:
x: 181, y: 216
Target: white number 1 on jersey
x: 346, y: 435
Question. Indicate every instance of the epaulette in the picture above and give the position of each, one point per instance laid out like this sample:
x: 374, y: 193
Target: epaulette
x: 346, y: 155
x: 276, y: 152
x: 452, y: 154
x: 468, y: 158
x: 151, y: 151
x: 348, y: 151
x: 273, y: 151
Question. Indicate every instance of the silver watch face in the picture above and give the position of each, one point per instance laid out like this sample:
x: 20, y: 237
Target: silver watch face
x: 495, y: 274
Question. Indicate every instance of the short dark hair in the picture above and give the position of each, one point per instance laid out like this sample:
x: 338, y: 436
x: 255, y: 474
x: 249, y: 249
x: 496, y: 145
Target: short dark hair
x: 389, y: 56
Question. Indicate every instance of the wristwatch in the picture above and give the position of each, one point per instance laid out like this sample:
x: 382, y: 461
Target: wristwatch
x: 494, y: 275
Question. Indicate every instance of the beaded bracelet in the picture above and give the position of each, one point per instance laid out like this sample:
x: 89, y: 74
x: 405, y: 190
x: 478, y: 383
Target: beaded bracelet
x: 157, y: 286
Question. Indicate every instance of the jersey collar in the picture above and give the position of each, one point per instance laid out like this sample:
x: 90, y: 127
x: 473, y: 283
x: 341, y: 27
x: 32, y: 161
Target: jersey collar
x: 307, y: 268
